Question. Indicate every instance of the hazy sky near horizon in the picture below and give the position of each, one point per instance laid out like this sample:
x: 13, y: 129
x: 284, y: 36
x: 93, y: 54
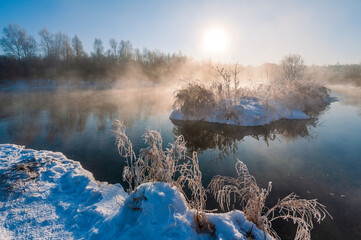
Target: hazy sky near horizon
x: 323, y: 32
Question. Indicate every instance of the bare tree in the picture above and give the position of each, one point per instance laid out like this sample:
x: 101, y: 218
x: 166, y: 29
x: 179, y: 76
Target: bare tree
x: 17, y: 43
x: 46, y: 42
x: 67, y: 51
x: 98, y: 56
x: 125, y: 51
x: 78, y: 47
x: 59, y: 41
x: 235, y: 73
x: 98, y: 47
x: 56, y: 47
x: 293, y: 67
x: 30, y: 47
x: 113, y: 48
x: 229, y: 76
x: 137, y: 55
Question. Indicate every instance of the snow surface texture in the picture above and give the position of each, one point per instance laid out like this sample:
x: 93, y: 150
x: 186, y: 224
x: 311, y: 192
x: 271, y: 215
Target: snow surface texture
x: 249, y: 112
x: 44, y: 195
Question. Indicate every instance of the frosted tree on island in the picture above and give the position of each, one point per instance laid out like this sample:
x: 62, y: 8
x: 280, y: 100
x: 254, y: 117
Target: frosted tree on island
x: 293, y: 67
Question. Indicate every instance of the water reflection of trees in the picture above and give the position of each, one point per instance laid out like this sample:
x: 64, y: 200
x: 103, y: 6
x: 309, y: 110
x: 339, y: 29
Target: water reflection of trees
x: 62, y: 113
x: 201, y: 136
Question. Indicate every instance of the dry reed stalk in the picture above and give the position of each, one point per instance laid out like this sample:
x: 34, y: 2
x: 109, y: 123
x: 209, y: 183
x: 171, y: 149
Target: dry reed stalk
x: 244, y: 189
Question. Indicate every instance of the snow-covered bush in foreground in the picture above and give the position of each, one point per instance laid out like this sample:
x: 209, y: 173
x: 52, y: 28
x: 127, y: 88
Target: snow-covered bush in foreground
x: 44, y: 195
x: 252, y: 198
x: 225, y: 102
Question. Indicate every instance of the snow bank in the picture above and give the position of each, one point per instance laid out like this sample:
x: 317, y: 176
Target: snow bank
x: 159, y: 211
x: 45, y: 195
x: 249, y: 112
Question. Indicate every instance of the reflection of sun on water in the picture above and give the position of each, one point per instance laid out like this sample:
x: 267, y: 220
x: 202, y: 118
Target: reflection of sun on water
x: 215, y: 41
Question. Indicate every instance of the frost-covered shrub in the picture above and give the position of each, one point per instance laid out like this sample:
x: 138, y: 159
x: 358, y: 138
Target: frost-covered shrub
x: 194, y: 98
x: 251, y: 198
x: 303, y: 95
x: 199, y: 100
x: 293, y: 67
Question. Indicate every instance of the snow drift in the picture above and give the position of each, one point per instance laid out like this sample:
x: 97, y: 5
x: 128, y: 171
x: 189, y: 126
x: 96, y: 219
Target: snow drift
x: 45, y: 195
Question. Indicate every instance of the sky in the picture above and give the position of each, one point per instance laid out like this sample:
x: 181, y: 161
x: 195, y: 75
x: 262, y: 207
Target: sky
x: 322, y: 32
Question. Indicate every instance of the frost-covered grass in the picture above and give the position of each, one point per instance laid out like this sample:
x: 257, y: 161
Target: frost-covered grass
x: 175, y: 168
x: 290, y: 96
x: 251, y: 199
x: 44, y: 195
x: 171, y: 166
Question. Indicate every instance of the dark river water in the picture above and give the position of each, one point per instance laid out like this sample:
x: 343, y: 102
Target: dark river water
x: 319, y: 158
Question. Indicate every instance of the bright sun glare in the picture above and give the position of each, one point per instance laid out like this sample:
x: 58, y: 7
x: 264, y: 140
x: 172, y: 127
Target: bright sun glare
x: 215, y: 41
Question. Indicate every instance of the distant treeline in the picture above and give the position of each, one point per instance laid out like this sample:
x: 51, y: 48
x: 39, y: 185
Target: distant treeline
x: 59, y: 57
x: 348, y: 73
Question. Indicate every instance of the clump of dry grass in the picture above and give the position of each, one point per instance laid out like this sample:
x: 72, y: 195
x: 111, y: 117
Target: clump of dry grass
x: 171, y: 166
x: 153, y: 164
x: 251, y: 198
x: 190, y: 177
x: 125, y: 149
x: 22, y: 174
x: 194, y: 98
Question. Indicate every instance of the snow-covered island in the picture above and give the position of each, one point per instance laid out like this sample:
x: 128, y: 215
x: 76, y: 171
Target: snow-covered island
x: 288, y: 96
x: 44, y: 195
x: 247, y: 112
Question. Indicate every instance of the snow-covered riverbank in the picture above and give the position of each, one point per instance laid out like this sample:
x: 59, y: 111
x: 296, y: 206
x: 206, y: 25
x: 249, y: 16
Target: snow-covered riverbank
x: 45, y: 195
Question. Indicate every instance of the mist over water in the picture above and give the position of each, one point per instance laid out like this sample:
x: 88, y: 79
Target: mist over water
x: 246, y: 63
x: 316, y: 158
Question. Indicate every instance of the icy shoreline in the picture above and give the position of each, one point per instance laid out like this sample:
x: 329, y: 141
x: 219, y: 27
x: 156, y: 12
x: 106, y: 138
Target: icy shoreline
x: 249, y: 112
x: 45, y: 195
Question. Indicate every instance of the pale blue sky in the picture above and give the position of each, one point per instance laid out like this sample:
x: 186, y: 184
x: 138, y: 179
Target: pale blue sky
x: 323, y: 32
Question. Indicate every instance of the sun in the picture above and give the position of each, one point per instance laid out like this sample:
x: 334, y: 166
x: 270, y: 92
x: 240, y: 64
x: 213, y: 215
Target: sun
x: 215, y: 41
